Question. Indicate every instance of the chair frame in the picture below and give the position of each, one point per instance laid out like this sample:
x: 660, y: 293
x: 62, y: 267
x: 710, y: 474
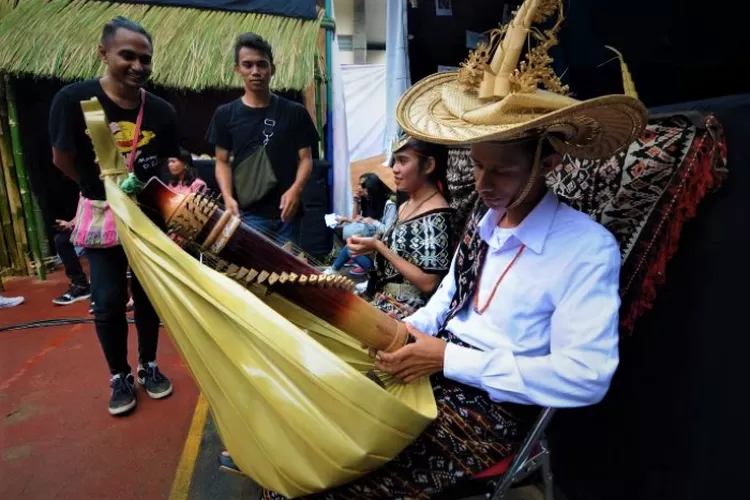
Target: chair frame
x: 533, y: 455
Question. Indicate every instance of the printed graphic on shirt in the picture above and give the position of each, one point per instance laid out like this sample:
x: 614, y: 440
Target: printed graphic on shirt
x: 123, y: 132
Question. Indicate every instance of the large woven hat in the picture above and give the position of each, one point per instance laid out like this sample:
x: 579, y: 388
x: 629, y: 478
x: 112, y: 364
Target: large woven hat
x: 501, y: 100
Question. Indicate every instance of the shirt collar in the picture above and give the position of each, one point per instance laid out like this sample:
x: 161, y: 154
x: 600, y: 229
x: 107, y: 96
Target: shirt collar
x: 532, y: 231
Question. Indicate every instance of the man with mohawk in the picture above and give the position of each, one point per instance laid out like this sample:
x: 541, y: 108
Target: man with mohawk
x: 527, y: 317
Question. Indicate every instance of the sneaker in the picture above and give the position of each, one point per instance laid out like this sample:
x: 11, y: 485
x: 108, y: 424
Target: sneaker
x: 123, y: 394
x: 10, y: 301
x: 360, y: 288
x: 150, y: 378
x: 358, y: 271
x: 76, y: 293
x: 330, y: 271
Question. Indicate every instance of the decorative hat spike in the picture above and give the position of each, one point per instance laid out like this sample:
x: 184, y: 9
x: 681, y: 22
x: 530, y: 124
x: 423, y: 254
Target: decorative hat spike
x: 503, y: 75
x: 627, y: 80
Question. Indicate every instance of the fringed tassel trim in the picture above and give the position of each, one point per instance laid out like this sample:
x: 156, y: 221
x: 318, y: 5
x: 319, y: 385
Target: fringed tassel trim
x: 706, y: 173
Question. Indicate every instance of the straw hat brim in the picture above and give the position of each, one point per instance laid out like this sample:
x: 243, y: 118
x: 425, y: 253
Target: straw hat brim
x: 591, y: 129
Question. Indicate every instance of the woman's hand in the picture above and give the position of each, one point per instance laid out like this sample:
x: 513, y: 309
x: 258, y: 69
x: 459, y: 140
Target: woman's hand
x: 363, y: 246
x: 65, y: 225
x: 421, y: 358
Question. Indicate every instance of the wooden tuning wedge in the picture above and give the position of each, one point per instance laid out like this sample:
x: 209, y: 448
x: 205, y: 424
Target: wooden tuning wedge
x: 337, y: 280
x: 313, y: 279
x: 330, y: 280
x: 302, y: 280
x: 232, y: 270
x: 293, y: 278
x: 242, y: 273
x: 301, y: 256
x: 287, y: 246
x: 283, y: 278
x: 221, y: 265
x: 263, y: 276
x: 273, y: 279
x: 251, y: 275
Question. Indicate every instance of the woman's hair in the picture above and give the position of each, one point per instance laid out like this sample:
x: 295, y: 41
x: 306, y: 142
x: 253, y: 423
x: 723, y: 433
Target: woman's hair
x: 439, y: 175
x: 188, y: 176
x: 378, y: 194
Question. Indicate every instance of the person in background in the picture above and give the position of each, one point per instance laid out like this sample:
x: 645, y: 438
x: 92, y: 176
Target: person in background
x: 375, y: 210
x: 183, y: 178
x: 415, y: 253
x: 370, y: 200
x: 261, y: 120
x: 126, y: 50
x: 372, y: 227
x: 79, y: 284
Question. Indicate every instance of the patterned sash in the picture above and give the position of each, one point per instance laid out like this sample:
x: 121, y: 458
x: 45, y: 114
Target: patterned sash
x: 469, y: 256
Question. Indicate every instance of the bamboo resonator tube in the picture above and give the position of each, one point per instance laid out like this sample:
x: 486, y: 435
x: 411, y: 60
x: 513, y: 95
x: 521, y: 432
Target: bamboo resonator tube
x: 249, y: 257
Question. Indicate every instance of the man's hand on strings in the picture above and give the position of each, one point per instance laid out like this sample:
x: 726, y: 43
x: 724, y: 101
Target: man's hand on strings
x: 421, y: 358
x: 363, y: 246
x: 289, y: 203
x: 231, y: 206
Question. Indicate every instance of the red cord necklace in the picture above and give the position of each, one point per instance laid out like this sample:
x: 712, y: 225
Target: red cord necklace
x: 479, y: 310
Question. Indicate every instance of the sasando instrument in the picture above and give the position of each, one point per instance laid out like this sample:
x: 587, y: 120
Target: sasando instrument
x: 250, y: 257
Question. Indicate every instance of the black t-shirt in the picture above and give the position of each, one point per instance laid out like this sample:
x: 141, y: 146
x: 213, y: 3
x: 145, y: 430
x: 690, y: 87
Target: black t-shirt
x: 159, y: 138
x: 239, y: 129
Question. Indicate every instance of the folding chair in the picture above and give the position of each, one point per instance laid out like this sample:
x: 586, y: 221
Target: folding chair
x: 533, y: 455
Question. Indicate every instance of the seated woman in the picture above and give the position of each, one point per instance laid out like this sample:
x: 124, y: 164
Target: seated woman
x: 370, y: 201
x: 371, y: 227
x: 183, y: 178
x: 415, y: 253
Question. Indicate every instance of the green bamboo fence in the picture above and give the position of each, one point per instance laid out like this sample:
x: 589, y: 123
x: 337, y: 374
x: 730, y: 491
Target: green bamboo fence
x: 23, y: 182
x: 12, y: 195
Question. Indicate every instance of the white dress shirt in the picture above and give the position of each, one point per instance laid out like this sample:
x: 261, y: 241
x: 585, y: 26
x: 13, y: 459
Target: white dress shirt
x: 549, y: 337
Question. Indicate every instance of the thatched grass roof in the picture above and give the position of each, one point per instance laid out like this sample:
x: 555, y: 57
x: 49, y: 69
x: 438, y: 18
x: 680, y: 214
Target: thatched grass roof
x: 193, y: 49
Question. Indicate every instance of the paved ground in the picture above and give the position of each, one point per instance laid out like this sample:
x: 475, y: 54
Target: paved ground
x: 58, y: 441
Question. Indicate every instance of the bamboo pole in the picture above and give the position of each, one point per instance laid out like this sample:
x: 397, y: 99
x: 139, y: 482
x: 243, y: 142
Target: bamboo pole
x: 4, y: 254
x: 23, y: 183
x: 14, y: 198
x: 15, y: 258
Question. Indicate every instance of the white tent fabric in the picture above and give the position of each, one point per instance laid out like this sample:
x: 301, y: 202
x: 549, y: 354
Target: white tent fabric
x: 342, y: 186
x: 365, y: 96
x: 398, y: 78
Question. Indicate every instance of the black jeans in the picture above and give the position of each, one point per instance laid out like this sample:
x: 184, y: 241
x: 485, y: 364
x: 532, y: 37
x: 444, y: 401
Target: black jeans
x: 67, y: 253
x: 109, y: 292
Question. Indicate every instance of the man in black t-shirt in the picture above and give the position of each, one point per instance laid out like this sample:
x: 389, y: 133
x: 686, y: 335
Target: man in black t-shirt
x: 237, y: 131
x: 126, y: 50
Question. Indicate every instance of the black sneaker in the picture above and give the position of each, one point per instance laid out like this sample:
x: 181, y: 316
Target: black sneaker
x: 76, y: 293
x: 156, y: 384
x: 123, y: 394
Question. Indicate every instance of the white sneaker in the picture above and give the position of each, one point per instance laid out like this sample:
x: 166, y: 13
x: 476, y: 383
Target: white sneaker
x: 330, y: 271
x: 10, y: 301
x: 360, y: 288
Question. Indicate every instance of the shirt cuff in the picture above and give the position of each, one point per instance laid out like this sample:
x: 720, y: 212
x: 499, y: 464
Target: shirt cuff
x: 421, y: 321
x: 463, y: 364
